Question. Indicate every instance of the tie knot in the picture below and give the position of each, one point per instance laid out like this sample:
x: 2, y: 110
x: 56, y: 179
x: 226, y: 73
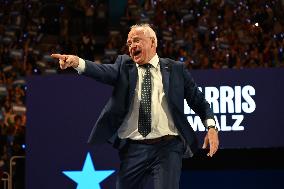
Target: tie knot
x: 147, y: 66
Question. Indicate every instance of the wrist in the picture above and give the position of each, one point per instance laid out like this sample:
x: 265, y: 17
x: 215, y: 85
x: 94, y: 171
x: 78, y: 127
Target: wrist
x: 212, y: 127
x: 76, y: 62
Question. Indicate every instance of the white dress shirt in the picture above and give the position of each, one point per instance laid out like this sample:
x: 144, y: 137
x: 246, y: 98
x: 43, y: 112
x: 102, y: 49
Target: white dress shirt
x: 162, y: 122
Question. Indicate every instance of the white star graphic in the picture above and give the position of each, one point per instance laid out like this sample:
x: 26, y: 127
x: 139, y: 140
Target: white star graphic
x: 88, y: 178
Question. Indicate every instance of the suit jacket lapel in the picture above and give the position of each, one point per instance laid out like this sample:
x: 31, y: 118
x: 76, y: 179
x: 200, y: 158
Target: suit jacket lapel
x: 165, y: 71
x: 132, y: 80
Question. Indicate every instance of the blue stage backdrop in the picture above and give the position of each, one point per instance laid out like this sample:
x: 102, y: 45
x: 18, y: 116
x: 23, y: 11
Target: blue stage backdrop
x: 62, y: 110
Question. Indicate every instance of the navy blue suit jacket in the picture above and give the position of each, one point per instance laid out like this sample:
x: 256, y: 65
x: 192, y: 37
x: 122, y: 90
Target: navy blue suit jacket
x: 122, y: 75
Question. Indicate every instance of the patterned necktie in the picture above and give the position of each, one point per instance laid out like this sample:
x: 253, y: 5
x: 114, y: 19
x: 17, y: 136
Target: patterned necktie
x: 144, y: 120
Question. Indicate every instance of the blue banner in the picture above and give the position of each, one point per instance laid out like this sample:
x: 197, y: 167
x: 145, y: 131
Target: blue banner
x: 62, y: 110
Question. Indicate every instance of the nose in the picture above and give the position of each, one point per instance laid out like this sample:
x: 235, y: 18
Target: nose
x: 132, y: 47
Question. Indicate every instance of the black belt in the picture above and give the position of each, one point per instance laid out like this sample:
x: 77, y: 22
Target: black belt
x: 153, y: 140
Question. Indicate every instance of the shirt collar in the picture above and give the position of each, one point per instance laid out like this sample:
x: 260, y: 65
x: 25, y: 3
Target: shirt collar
x: 154, y: 61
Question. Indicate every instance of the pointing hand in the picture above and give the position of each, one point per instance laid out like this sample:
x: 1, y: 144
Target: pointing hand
x: 66, y: 61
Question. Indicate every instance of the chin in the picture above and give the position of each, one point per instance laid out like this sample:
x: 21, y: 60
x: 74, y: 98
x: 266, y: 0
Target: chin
x: 138, y: 60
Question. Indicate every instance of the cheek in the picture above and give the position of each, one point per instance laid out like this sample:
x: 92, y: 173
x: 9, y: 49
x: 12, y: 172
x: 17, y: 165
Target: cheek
x: 146, y: 52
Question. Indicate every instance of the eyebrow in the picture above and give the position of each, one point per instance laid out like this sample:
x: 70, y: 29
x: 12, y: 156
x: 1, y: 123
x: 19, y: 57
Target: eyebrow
x: 134, y: 38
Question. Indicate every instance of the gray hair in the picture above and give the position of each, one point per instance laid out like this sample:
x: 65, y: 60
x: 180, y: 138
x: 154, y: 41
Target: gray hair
x: 148, y: 31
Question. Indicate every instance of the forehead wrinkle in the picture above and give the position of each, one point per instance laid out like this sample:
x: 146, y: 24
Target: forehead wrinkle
x: 137, y: 32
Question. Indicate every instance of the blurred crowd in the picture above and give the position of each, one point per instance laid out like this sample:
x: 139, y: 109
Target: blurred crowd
x: 205, y: 34
x: 30, y: 30
x: 211, y: 34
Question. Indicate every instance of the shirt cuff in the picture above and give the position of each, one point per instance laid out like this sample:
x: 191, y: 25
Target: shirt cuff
x: 209, y: 122
x: 81, y: 66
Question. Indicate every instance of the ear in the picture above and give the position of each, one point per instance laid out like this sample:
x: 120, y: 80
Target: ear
x: 153, y: 41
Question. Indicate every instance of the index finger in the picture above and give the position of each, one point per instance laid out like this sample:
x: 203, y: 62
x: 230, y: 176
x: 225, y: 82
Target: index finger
x: 59, y: 56
x: 213, y: 149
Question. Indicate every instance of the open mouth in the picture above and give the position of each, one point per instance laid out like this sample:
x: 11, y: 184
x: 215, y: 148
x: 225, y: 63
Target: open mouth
x: 137, y: 52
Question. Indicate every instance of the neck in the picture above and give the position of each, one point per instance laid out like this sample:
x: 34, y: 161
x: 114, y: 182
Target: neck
x: 150, y: 58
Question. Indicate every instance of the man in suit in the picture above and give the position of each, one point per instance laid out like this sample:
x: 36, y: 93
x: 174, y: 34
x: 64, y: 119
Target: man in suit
x: 144, y: 117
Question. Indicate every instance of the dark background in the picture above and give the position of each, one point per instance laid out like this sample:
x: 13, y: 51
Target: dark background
x: 63, y: 109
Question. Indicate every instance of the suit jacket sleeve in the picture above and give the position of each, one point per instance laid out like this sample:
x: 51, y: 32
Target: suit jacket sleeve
x: 105, y: 73
x: 195, y: 98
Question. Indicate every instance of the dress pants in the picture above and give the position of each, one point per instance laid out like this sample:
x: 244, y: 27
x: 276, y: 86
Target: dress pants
x: 162, y: 161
